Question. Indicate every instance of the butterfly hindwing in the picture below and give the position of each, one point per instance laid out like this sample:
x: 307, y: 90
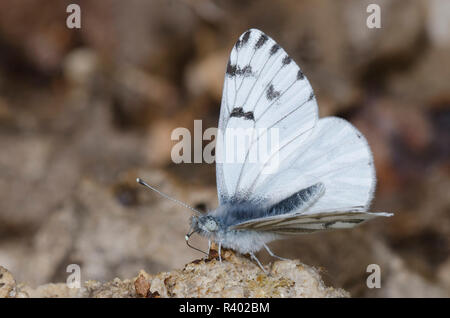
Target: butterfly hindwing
x: 337, y: 155
x: 298, y: 223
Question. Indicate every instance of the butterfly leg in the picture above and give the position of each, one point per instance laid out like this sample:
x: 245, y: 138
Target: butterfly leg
x: 209, y: 249
x: 253, y: 257
x: 273, y: 255
x: 220, y: 252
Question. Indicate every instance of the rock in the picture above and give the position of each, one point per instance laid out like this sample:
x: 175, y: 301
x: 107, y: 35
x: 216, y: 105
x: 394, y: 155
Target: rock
x: 235, y: 276
x: 142, y: 285
x: 7, y: 283
x: 59, y: 290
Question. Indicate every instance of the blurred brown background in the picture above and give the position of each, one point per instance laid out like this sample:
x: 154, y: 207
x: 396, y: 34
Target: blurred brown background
x: 83, y: 112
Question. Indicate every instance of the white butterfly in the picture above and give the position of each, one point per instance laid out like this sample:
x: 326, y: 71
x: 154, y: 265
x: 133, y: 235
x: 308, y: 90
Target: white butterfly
x: 324, y: 177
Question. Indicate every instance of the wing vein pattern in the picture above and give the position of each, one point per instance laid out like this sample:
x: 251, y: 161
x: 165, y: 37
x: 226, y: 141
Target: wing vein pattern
x: 271, y: 144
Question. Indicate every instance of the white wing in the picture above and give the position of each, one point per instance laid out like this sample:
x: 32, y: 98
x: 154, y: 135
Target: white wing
x: 264, y: 88
x: 338, y: 156
x: 265, y: 94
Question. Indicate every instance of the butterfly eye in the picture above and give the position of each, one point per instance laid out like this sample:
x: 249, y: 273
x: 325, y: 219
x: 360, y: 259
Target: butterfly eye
x: 211, y: 225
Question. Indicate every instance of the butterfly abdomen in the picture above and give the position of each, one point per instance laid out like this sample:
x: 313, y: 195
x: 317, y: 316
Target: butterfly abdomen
x: 245, y: 241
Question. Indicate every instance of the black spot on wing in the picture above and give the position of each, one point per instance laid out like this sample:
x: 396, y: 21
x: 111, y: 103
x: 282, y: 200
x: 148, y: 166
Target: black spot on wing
x: 246, y: 37
x: 262, y: 39
x: 311, y: 96
x: 239, y: 113
x: 231, y: 69
x: 300, y: 75
x: 245, y: 71
x: 354, y: 221
x: 242, y: 42
x: 329, y: 224
x: 286, y: 60
x: 274, y: 49
x: 271, y: 93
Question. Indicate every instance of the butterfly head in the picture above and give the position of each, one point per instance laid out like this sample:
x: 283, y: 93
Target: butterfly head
x: 204, y: 224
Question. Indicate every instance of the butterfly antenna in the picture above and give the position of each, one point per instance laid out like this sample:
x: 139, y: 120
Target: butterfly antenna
x: 140, y: 181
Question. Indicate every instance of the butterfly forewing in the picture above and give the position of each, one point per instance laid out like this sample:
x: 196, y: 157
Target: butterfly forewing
x: 266, y: 93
